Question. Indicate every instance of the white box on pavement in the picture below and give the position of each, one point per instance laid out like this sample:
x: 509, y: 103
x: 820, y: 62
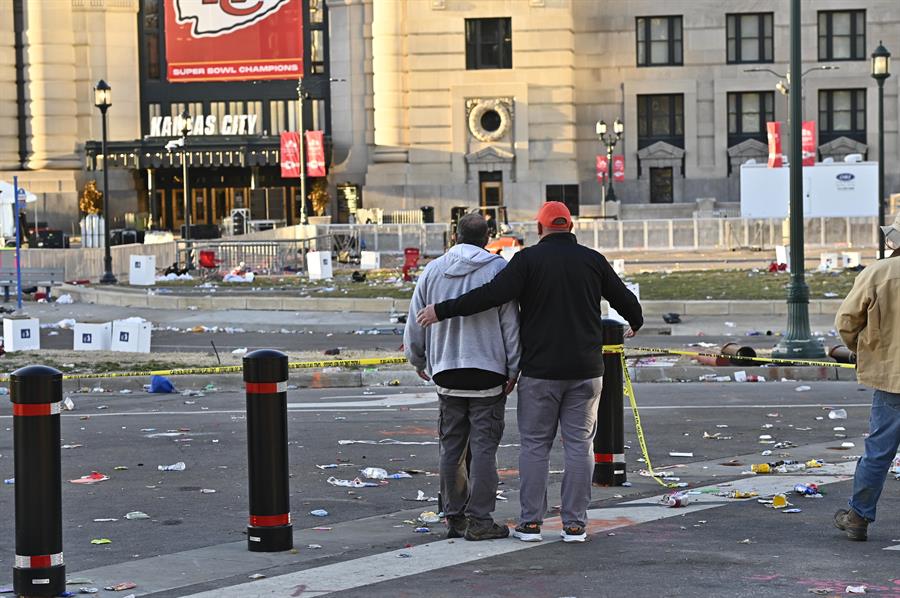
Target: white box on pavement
x: 142, y: 270
x: 851, y: 259
x: 21, y: 334
x: 318, y: 265
x: 92, y: 336
x: 828, y: 261
x: 635, y: 288
x: 783, y: 256
x: 619, y: 266
x: 370, y: 260
x: 131, y: 336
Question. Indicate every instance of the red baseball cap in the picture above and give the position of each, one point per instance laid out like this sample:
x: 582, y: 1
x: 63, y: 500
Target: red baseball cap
x: 554, y: 215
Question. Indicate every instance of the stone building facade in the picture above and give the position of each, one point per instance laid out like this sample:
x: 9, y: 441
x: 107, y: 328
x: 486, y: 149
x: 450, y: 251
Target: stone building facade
x: 407, y: 124
x: 448, y: 103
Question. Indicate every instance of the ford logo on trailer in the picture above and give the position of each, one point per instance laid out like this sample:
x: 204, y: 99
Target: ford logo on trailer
x: 845, y: 177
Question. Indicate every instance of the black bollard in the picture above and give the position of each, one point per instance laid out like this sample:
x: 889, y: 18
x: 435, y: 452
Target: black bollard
x: 266, y: 376
x: 36, y: 393
x: 609, y: 442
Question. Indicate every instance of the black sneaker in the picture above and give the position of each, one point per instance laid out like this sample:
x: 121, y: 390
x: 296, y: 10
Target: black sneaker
x: 528, y: 532
x: 481, y: 531
x: 573, y: 533
x: 456, y: 526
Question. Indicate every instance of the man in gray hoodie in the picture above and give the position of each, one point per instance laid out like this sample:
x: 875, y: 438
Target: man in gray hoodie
x: 474, y: 362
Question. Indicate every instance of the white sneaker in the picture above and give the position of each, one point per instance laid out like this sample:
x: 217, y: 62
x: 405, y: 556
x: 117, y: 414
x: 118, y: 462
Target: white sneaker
x: 573, y: 533
x: 528, y: 532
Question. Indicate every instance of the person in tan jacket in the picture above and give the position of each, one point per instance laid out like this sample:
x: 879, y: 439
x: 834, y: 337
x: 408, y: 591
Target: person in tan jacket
x: 869, y: 323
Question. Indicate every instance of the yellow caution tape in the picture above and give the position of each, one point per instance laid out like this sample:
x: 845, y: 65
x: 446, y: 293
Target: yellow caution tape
x: 812, y: 362
x: 639, y: 429
x: 231, y: 369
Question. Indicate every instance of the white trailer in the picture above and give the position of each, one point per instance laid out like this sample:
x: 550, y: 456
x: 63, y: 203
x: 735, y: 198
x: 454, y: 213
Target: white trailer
x: 836, y: 189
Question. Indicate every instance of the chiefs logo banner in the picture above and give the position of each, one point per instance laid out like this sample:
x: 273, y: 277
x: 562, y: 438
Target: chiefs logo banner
x: 602, y: 168
x: 290, y: 155
x: 234, y: 40
x: 315, y: 153
x: 618, y: 168
x: 808, y: 144
x: 773, y: 130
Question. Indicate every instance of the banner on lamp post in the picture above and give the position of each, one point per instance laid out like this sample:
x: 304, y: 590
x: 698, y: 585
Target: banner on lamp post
x: 618, y: 168
x: 602, y: 168
x: 808, y: 145
x: 774, y: 133
x: 315, y: 154
x: 290, y: 155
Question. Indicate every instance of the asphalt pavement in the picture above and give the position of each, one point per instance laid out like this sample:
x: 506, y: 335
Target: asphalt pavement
x: 194, y: 541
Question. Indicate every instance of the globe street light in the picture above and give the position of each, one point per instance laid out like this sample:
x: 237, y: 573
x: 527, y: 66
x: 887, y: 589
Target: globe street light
x: 881, y: 70
x: 610, y: 141
x: 103, y: 100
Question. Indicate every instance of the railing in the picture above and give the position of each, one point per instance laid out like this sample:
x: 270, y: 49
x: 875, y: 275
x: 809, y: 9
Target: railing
x: 625, y: 235
x: 271, y: 256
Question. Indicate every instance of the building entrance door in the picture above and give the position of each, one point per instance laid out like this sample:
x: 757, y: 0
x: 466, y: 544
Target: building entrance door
x: 661, y: 190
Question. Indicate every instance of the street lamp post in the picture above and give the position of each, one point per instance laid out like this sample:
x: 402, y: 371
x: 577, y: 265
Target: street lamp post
x: 103, y: 100
x: 302, y: 95
x: 610, y: 140
x: 881, y: 70
x: 185, y: 129
x: 797, y: 342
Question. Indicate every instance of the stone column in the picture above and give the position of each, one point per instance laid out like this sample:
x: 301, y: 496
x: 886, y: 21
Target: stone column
x: 51, y: 91
x: 9, y: 124
x: 389, y: 80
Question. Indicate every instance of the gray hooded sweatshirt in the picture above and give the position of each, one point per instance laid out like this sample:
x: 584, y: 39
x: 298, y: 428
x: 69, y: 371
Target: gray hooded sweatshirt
x: 487, y: 341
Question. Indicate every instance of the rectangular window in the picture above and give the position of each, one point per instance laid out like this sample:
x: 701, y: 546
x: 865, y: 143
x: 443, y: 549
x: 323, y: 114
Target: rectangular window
x: 748, y: 113
x: 842, y: 113
x: 660, y: 118
x: 750, y: 38
x: 488, y: 43
x: 316, y: 11
x: 568, y: 194
x: 659, y: 41
x: 283, y: 115
x: 317, y: 51
x: 193, y: 108
x: 150, y: 14
x: 842, y: 35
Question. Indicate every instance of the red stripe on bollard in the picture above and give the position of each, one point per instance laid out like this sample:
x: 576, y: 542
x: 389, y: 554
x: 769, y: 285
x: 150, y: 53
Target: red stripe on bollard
x: 266, y: 388
x: 39, y: 561
x: 35, y: 409
x: 270, y: 520
x: 605, y: 458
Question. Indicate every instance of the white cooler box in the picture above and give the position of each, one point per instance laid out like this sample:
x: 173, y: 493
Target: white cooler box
x: 92, y: 336
x: 131, y: 336
x: 370, y: 260
x: 142, y: 270
x: 21, y: 334
x: 318, y: 265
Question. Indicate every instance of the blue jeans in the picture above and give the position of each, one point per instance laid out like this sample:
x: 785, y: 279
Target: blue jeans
x: 881, y: 446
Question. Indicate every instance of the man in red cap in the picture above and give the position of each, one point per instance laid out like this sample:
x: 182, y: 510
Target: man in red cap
x: 559, y: 285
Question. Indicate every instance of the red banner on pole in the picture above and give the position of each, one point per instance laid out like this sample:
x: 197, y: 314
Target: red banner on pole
x: 774, y: 133
x: 315, y: 153
x: 618, y: 168
x: 808, y: 145
x: 290, y: 155
x: 602, y: 168
x: 233, y: 40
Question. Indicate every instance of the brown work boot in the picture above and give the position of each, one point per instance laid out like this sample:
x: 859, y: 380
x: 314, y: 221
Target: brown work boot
x: 850, y: 522
x: 456, y: 526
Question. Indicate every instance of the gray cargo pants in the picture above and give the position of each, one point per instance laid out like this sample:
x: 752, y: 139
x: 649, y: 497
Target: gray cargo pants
x: 544, y: 405
x: 476, y: 425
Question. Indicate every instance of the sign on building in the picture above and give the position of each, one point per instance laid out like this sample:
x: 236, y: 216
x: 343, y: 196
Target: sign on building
x: 233, y: 40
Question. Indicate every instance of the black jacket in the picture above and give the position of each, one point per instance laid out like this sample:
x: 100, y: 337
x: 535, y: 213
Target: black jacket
x: 558, y: 284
